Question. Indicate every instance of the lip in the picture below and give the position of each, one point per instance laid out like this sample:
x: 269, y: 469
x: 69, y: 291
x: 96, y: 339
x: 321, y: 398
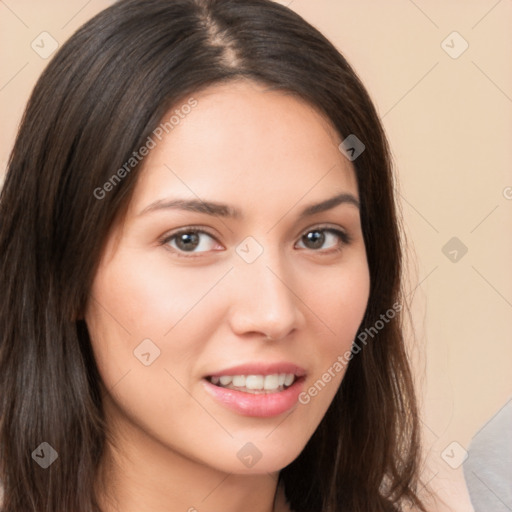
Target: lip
x: 261, y: 369
x: 264, y: 405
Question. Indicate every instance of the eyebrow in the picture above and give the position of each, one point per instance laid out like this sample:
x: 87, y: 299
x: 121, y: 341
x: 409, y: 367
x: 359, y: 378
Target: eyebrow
x: 224, y: 210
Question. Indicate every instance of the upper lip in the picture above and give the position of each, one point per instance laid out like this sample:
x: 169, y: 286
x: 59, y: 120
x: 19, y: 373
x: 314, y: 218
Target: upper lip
x: 261, y: 369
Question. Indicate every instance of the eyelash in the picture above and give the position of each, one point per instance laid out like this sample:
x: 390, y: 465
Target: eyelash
x: 342, y: 235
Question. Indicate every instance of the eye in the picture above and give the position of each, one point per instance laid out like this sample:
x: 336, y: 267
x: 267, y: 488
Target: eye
x: 191, y: 240
x: 324, y: 238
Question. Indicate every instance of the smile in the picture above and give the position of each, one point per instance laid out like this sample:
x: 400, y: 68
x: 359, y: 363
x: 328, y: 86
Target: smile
x: 256, y: 384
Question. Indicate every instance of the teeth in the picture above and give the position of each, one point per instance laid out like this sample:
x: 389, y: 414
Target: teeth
x: 226, y: 379
x: 271, y: 382
x: 254, y: 383
x: 239, y: 381
x: 289, y: 379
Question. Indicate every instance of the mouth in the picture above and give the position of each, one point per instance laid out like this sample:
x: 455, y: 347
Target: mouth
x: 255, y: 384
x: 257, y: 389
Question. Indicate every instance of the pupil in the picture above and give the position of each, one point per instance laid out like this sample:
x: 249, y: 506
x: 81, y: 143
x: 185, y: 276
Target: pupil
x: 315, y: 238
x: 187, y: 241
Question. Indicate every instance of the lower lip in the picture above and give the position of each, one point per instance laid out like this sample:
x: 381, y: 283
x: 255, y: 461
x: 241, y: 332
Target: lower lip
x: 262, y: 405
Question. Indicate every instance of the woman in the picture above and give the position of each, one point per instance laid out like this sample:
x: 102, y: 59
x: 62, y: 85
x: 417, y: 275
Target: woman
x: 201, y: 274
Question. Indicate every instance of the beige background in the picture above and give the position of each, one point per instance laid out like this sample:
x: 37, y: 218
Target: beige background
x: 449, y: 121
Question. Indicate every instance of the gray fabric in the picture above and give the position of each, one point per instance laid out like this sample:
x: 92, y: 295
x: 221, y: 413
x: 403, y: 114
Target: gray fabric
x: 488, y: 468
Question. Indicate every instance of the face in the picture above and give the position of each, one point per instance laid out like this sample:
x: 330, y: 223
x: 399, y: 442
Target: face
x: 233, y: 284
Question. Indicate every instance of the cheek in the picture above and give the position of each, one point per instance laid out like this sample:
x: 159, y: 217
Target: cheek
x: 148, y: 295
x: 337, y: 306
x: 145, y: 334
x: 339, y: 301
x: 135, y: 299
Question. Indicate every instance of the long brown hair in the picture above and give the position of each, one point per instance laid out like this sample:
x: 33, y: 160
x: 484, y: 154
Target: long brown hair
x: 100, y: 98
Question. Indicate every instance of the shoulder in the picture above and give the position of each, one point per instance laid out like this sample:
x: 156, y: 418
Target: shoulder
x: 488, y: 463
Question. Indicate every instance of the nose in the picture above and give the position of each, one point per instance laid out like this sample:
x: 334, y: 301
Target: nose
x: 264, y: 300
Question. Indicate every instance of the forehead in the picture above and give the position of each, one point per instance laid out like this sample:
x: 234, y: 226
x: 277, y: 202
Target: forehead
x: 245, y: 143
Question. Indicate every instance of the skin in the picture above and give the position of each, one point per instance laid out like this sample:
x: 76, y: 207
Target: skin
x: 270, y: 155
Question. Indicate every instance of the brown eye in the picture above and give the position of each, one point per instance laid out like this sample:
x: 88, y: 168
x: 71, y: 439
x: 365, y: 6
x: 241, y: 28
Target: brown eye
x: 324, y: 238
x: 191, y: 241
x: 187, y: 241
x: 314, y: 239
